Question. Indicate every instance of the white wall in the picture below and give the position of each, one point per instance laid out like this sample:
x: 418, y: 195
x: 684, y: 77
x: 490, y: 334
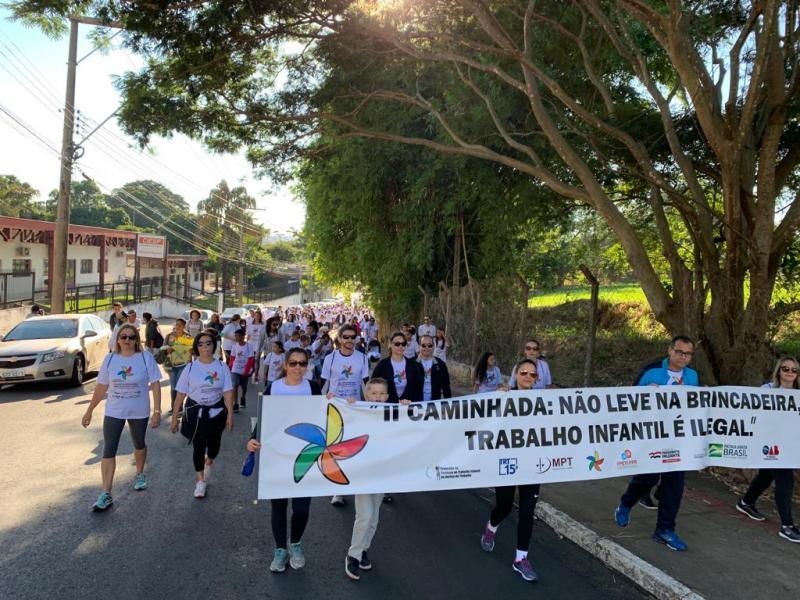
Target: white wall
x: 38, y: 258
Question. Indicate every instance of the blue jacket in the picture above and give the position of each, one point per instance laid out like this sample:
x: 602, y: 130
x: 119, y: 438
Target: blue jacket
x: 657, y: 373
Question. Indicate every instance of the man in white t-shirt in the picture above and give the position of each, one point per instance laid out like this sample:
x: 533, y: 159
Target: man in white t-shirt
x: 427, y: 328
x: 346, y: 369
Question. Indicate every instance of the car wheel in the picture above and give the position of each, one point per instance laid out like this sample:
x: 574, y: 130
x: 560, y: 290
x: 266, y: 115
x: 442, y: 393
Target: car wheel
x: 78, y: 371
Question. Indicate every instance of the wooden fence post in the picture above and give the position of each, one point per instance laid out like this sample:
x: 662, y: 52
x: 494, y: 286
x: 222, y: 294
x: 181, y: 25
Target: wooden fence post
x: 588, y: 370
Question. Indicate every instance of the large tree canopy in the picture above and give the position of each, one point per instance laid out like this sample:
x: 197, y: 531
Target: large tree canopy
x: 681, y: 112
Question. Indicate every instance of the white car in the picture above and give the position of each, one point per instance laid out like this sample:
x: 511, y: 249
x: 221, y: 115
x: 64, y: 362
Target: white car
x: 53, y: 348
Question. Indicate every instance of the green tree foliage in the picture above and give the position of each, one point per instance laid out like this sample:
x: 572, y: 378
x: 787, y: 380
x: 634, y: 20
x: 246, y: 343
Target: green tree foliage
x: 145, y: 200
x: 18, y: 199
x: 89, y: 206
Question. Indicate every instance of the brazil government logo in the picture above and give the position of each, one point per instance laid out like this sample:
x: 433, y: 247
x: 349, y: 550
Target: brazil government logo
x: 325, y: 447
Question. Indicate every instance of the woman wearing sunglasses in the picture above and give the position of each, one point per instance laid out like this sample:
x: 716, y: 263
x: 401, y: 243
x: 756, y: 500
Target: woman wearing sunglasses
x: 292, y: 383
x: 783, y: 376
x: 126, y: 379
x: 405, y: 375
x: 528, y: 495
x: 532, y: 350
x: 207, y: 387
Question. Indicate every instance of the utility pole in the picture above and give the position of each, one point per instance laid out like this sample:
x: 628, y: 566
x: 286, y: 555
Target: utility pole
x: 240, y: 278
x: 58, y: 283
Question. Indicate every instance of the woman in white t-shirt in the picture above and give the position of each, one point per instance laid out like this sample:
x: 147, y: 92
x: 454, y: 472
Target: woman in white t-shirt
x: 532, y: 350
x: 126, y: 379
x: 440, y: 345
x: 487, y: 374
x: 291, y: 383
x: 255, y: 334
x: 207, y: 387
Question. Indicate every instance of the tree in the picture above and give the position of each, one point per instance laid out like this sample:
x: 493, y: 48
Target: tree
x: 89, y: 206
x: 17, y: 199
x: 695, y: 101
x: 145, y: 199
x: 224, y: 218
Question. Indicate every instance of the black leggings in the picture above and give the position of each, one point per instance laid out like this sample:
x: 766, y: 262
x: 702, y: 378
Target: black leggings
x: 112, y: 431
x: 784, y: 488
x: 208, y: 439
x: 300, y: 508
x: 504, y: 502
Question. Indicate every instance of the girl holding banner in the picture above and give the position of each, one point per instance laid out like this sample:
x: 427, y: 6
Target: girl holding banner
x: 783, y: 376
x: 528, y: 495
x: 292, y: 383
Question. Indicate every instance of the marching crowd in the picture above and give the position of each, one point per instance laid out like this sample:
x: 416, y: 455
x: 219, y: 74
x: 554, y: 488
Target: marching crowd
x: 335, y: 350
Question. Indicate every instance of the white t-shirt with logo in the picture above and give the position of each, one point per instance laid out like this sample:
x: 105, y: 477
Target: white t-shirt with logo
x: 427, y: 386
x: 128, y: 379
x: 274, y: 364
x: 255, y: 332
x: 205, y: 383
x: 345, y: 373
x: 400, y: 377
x: 241, y: 354
x: 281, y: 388
x: 492, y: 381
x: 675, y: 377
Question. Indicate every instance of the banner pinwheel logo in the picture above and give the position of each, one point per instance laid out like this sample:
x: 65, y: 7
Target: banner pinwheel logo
x: 325, y: 447
x: 125, y: 372
x: 595, y: 461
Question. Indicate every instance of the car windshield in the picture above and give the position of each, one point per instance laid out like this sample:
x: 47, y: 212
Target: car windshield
x: 229, y: 312
x: 40, y: 329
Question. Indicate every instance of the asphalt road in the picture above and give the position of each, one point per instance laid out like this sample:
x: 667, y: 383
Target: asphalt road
x: 163, y: 543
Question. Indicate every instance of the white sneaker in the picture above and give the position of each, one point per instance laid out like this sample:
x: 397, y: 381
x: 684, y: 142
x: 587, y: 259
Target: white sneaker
x: 337, y: 501
x: 200, y: 489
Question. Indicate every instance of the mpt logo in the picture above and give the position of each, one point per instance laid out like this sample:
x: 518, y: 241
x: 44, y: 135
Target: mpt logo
x: 508, y: 466
x: 543, y: 465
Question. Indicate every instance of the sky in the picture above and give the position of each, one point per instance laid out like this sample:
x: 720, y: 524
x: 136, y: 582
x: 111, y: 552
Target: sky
x: 32, y: 88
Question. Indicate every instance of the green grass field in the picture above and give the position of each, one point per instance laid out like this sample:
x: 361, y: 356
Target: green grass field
x: 614, y: 293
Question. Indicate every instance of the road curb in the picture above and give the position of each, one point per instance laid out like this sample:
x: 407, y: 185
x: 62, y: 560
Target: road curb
x: 647, y: 576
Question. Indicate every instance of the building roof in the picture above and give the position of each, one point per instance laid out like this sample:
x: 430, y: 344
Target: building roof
x: 36, y: 225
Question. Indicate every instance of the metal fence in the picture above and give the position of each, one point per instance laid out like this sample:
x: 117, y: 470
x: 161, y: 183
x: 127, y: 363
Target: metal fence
x: 94, y: 298
x: 19, y: 289
x: 289, y: 287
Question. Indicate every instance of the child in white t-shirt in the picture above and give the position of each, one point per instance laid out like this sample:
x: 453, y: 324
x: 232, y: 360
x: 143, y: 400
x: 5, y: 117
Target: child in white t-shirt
x: 241, y: 365
x: 273, y: 363
x: 367, y: 505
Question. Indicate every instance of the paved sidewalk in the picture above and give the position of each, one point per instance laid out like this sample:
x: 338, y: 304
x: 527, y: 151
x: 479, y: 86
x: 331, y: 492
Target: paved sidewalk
x: 729, y: 555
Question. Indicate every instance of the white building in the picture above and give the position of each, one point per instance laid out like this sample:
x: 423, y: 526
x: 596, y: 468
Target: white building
x: 95, y: 255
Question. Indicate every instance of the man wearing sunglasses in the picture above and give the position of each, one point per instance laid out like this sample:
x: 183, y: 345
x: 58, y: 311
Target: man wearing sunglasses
x: 672, y: 370
x: 344, y: 371
x: 437, y: 379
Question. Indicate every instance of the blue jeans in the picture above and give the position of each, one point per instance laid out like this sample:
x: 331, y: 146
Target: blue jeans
x: 174, y: 375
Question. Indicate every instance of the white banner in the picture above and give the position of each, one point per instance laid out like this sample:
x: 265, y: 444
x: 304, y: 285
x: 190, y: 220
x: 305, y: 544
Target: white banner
x: 151, y: 246
x: 318, y: 447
